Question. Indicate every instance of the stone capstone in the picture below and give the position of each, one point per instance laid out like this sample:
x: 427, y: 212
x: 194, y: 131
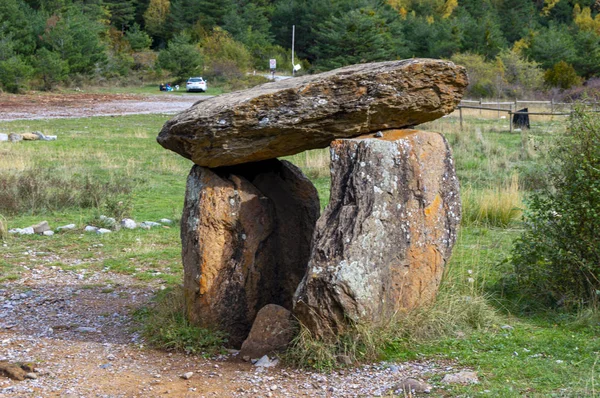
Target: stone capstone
x: 246, y: 234
x: 382, y: 242
x: 294, y: 115
x: 272, y: 331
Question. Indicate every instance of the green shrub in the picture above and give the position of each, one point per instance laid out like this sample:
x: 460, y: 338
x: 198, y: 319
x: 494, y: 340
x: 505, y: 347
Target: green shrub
x: 15, y: 74
x: 164, y: 325
x: 562, y: 75
x: 181, y: 58
x: 557, y: 258
x: 138, y: 39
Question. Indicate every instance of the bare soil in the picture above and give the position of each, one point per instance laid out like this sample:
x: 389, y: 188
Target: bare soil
x: 51, y: 106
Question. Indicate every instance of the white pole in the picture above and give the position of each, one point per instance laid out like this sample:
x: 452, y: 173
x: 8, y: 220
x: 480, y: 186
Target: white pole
x: 293, y: 39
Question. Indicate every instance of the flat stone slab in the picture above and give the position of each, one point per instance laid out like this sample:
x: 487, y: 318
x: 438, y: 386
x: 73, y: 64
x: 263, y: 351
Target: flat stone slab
x: 294, y: 115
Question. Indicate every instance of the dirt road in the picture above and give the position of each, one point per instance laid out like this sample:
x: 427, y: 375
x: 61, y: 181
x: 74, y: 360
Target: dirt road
x: 52, y: 106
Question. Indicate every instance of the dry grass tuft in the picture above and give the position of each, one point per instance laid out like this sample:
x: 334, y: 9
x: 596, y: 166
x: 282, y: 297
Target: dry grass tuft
x: 497, y: 207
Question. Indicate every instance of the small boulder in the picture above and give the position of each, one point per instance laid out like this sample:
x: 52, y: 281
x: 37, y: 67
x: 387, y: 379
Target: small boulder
x: 12, y: 371
x: 3, y: 137
x: 30, y: 137
x: 48, y: 233
x: 128, y: 223
x: 149, y: 224
x: 91, y: 228
x: 187, y: 375
x: 165, y: 221
x: 410, y: 386
x: 266, y: 362
x: 272, y: 331
x: 66, y: 227
x: 102, y: 231
x: 13, y: 137
x: 464, y: 377
x: 41, y: 227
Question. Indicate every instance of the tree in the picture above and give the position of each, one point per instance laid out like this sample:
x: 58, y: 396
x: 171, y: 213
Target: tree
x: 15, y: 74
x: 50, y: 68
x: 181, y: 58
x: 552, y: 44
x: 516, y: 18
x: 357, y: 36
x: 156, y: 16
x: 562, y: 75
x: 122, y: 12
x: 224, y: 56
x: 138, y: 39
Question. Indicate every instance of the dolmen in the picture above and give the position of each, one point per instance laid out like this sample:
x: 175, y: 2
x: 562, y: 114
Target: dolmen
x: 252, y: 233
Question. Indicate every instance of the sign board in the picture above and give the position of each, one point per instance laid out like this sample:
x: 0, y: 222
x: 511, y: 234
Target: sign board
x: 273, y: 63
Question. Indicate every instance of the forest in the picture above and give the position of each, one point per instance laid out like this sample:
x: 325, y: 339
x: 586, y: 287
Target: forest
x: 510, y: 47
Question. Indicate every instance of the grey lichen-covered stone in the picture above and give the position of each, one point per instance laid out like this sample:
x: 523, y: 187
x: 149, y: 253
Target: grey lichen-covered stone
x: 294, y: 115
x: 246, y: 233
x: 383, y: 240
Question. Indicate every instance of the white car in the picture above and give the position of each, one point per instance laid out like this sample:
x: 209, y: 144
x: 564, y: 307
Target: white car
x: 196, y: 84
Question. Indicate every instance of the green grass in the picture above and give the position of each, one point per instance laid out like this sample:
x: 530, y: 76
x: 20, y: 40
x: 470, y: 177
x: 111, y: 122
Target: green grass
x: 456, y: 330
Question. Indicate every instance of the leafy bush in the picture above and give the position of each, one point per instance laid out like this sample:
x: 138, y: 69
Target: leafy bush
x: 138, y: 39
x: 562, y: 75
x: 557, y: 258
x: 15, y: 74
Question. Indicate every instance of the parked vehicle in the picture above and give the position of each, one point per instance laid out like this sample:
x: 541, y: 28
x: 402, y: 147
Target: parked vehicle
x: 196, y: 84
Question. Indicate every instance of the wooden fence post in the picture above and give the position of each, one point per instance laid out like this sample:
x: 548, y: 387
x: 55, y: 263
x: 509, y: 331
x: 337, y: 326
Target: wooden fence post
x: 461, y: 117
x: 511, y: 121
x: 480, y: 105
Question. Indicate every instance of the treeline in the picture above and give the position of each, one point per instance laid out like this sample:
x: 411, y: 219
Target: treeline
x: 509, y: 46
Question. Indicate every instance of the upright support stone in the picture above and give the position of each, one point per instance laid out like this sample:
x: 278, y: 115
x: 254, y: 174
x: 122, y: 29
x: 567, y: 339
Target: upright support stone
x: 246, y: 233
x: 383, y: 240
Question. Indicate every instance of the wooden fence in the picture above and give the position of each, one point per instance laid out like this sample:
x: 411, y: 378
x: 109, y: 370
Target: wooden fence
x: 500, y: 107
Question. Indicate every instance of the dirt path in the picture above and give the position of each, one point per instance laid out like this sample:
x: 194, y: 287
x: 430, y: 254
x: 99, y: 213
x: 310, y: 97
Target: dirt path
x: 77, y: 327
x: 52, y: 106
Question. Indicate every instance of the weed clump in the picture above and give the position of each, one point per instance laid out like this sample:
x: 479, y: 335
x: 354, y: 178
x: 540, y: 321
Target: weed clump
x: 451, y: 313
x: 37, y: 190
x: 557, y: 258
x: 164, y: 325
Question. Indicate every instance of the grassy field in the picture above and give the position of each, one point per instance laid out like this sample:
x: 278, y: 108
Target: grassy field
x: 113, y: 166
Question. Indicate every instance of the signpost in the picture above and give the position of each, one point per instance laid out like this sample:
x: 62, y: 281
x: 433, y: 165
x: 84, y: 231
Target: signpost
x: 273, y: 66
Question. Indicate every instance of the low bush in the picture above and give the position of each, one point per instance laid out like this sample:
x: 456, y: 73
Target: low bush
x: 164, y: 325
x: 37, y: 190
x: 557, y: 258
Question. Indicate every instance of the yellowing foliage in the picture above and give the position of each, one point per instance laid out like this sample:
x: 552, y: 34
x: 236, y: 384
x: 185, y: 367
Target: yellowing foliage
x: 548, y: 6
x: 448, y: 8
x: 584, y: 20
x: 156, y: 15
x: 442, y: 8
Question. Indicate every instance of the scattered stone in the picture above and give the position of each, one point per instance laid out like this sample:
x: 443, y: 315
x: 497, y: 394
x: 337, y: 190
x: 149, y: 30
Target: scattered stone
x: 31, y: 375
x: 382, y: 242
x: 43, y: 137
x: 294, y: 115
x: 85, y: 329
x: 464, y: 377
x: 246, y: 358
x: 187, y: 375
x: 3, y: 137
x: 108, y: 221
x: 507, y: 327
x: 13, y: 137
x: 12, y: 371
x: 378, y: 134
x: 66, y: 227
x: 272, y: 331
x: 165, y: 221
x: 103, y: 231
x: 91, y: 228
x: 110, y: 357
x: 410, y: 386
x: 30, y: 137
x: 48, y: 233
x: 22, y: 231
x: 128, y: 223
x: 246, y: 234
x: 266, y: 362
x: 149, y: 224
x: 106, y: 366
x: 41, y: 227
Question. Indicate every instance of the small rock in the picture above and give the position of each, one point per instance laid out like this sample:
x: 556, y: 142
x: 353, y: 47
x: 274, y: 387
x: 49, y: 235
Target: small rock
x: 91, y: 228
x: 30, y: 137
x: 66, y: 227
x: 379, y: 134
x: 85, y: 329
x: 149, y: 224
x: 507, y: 327
x: 128, y: 223
x: 31, y: 375
x: 13, y: 137
x: 22, y: 231
x: 3, y: 137
x: 165, y: 221
x: 108, y: 220
x: 48, y: 233
x: 272, y: 330
x: 409, y: 386
x: 187, y: 375
x: 110, y: 357
x: 12, y: 371
x: 103, y: 231
x: 266, y: 362
x: 463, y: 377
x: 246, y: 358
x: 41, y: 227
x: 105, y: 366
